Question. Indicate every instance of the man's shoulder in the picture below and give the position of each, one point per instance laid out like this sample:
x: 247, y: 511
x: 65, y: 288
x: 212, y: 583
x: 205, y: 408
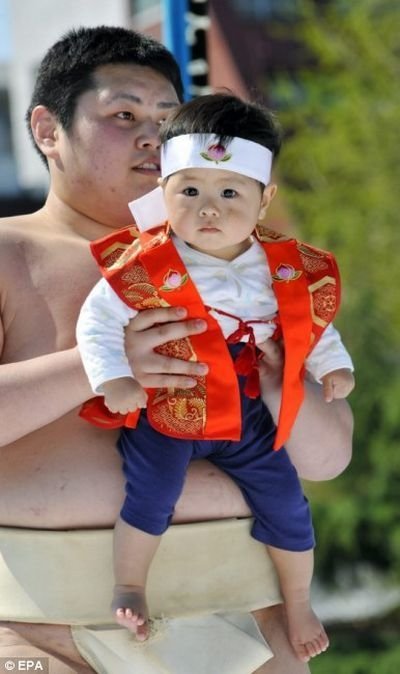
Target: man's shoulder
x: 17, y: 236
x: 13, y: 230
x: 15, y: 227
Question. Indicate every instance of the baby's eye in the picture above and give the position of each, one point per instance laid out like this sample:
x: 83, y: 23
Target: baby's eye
x: 190, y: 191
x: 125, y: 115
x: 229, y: 193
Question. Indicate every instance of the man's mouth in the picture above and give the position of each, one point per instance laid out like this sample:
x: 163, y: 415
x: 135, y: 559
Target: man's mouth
x: 148, y: 166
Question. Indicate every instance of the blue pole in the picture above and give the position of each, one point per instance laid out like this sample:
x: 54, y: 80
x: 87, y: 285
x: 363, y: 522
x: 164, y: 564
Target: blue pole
x: 174, y: 37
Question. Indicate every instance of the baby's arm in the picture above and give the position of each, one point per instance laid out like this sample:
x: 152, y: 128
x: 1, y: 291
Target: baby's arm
x: 124, y: 395
x: 101, y: 340
x: 330, y: 364
x: 337, y: 384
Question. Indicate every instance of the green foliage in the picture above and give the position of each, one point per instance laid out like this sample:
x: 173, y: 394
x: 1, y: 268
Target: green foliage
x: 359, y: 662
x: 361, y: 649
x: 340, y: 175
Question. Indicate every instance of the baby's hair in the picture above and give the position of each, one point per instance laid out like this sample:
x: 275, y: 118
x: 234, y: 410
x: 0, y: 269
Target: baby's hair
x: 226, y: 116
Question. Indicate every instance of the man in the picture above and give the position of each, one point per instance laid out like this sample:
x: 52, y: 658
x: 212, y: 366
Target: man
x: 100, y: 96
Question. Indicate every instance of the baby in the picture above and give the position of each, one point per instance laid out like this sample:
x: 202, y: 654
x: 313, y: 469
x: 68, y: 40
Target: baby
x: 214, y: 258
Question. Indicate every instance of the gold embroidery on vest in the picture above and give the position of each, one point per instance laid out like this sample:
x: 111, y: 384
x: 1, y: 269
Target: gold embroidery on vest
x: 265, y: 234
x: 181, y: 411
x: 138, y: 290
x: 113, y: 254
x: 312, y: 259
x: 323, y: 300
x: 313, y: 264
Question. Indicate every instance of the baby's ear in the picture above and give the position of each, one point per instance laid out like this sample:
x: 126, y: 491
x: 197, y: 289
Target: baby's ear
x: 269, y: 192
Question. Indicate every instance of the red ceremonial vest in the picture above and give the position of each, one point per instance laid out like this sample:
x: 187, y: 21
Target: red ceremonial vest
x: 149, y: 273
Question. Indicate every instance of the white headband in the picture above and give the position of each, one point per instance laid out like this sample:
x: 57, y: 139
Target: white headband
x: 201, y: 151
x: 198, y: 150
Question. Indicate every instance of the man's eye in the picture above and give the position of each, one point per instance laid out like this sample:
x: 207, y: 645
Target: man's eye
x: 190, y: 192
x: 229, y: 193
x: 124, y: 114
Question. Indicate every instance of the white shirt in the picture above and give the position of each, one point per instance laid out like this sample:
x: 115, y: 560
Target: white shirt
x: 242, y: 287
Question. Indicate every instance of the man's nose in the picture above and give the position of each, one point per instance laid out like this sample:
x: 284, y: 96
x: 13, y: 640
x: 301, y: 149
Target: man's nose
x: 148, y: 135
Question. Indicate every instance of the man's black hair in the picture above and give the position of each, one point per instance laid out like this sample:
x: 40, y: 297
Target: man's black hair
x: 67, y: 69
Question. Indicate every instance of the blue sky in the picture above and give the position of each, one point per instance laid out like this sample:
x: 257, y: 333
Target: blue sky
x: 5, y: 43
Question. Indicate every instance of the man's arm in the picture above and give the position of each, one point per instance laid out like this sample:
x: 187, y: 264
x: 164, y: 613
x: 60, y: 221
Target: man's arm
x: 35, y: 392
x: 320, y: 444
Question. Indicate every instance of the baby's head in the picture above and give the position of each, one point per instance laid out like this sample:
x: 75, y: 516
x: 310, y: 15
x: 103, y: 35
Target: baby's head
x: 225, y: 116
x: 216, y: 159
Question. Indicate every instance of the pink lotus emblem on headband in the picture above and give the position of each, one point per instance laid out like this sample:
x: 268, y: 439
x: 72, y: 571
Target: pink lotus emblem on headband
x: 173, y: 280
x: 285, y: 272
x: 216, y: 153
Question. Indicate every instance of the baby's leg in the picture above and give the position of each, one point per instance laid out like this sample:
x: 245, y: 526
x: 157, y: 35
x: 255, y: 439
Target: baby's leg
x: 306, y: 632
x: 133, y: 553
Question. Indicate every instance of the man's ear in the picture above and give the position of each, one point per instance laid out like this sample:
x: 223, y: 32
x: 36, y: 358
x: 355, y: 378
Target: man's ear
x: 269, y: 192
x: 45, y: 130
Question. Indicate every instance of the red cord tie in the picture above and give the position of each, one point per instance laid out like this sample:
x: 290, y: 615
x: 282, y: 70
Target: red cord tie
x: 247, y: 362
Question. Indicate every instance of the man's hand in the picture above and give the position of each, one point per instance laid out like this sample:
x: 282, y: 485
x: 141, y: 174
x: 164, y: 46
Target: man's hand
x: 153, y: 328
x: 124, y: 395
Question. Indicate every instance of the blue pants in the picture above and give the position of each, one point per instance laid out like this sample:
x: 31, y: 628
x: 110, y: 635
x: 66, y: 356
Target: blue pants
x: 155, y: 466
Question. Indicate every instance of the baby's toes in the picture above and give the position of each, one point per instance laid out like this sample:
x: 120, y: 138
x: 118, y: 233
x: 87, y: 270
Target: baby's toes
x: 142, y: 632
x: 312, y: 648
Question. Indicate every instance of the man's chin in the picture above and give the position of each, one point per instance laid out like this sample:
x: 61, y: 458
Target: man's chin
x: 145, y: 181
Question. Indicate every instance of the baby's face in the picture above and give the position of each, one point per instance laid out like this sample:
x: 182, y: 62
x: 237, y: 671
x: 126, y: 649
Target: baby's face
x: 213, y: 210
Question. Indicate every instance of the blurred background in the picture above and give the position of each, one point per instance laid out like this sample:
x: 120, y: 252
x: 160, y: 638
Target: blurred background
x: 330, y: 70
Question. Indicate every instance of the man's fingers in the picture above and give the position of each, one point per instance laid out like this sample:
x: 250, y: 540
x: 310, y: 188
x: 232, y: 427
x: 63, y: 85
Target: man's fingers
x: 167, y: 381
x: 161, y: 334
x: 153, y: 328
x: 158, y: 371
x: 151, y: 317
x: 160, y: 364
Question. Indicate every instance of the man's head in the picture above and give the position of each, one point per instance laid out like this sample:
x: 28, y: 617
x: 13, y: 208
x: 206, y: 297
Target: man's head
x: 68, y: 68
x: 95, y: 114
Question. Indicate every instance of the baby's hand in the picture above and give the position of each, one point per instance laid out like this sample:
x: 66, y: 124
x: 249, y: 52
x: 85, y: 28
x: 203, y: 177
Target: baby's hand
x: 271, y: 364
x: 124, y: 395
x: 337, y: 384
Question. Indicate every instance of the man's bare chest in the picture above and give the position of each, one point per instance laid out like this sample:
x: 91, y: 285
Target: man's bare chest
x: 44, y: 293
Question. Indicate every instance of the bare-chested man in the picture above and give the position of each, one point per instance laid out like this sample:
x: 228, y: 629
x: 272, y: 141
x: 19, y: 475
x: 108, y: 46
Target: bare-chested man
x: 101, y: 94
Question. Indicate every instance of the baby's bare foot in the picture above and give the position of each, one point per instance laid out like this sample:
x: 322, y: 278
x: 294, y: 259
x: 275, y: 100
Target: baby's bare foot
x: 130, y: 607
x: 306, y: 633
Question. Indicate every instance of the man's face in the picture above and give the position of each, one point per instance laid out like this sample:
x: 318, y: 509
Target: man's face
x: 111, y: 154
